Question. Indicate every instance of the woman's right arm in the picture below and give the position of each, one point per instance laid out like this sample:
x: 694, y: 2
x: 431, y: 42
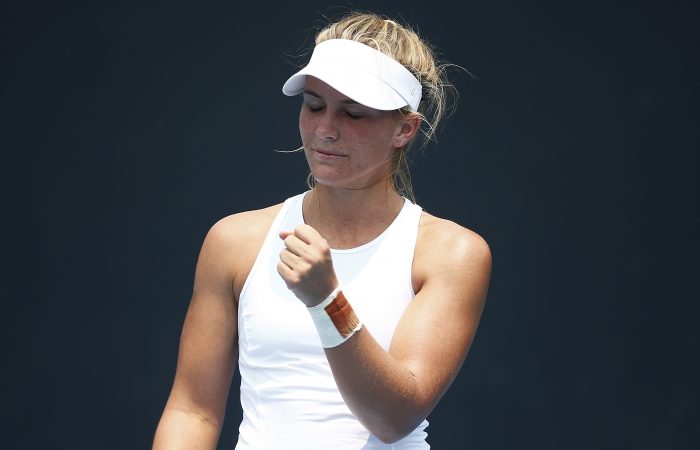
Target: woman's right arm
x: 195, y: 409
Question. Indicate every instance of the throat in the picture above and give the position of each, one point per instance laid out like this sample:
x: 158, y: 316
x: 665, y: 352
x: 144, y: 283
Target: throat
x: 350, y: 224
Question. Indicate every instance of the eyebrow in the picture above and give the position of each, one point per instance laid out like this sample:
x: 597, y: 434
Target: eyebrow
x: 349, y: 101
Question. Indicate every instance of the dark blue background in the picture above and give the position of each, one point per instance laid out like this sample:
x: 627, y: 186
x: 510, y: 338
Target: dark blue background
x: 129, y: 128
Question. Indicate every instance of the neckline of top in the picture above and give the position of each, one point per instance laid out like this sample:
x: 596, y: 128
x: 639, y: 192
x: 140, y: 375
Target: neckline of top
x: 366, y: 245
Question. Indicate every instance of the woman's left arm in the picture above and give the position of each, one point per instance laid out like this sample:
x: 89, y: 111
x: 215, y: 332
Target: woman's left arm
x: 390, y: 393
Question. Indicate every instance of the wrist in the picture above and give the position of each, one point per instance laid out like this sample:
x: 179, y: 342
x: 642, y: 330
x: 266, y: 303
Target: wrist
x: 334, y: 318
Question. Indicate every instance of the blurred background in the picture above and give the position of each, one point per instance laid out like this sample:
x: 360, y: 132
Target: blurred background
x: 129, y: 128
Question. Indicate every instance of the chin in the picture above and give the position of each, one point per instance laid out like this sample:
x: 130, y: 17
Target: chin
x: 327, y: 179
x: 327, y: 182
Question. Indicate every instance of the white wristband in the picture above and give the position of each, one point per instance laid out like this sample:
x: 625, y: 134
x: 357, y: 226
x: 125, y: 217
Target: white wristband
x: 334, y: 319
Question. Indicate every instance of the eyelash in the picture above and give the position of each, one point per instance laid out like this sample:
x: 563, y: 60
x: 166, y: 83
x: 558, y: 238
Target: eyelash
x: 348, y: 113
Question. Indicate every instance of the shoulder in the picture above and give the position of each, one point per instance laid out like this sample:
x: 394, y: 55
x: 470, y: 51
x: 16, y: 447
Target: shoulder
x: 447, y: 238
x: 445, y: 247
x: 241, y: 226
x: 234, y: 241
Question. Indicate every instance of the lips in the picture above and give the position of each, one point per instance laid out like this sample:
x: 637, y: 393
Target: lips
x: 328, y: 153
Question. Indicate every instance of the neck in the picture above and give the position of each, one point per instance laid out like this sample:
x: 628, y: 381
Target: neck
x: 348, y: 218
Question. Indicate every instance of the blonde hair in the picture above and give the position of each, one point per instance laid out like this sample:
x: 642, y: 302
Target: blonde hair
x: 405, y: 46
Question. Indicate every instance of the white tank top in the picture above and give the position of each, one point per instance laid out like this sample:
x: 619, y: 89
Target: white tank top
x: 288, y: 394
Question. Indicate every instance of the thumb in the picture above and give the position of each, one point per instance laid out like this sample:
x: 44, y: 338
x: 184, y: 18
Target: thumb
x: 283, y: 234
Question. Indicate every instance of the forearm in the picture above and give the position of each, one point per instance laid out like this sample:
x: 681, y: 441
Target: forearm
x: 384, y: 395
x: 186, y: 430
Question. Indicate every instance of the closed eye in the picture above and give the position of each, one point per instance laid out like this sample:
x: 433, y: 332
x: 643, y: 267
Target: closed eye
x: 353, y: 115
x: 313, y: 108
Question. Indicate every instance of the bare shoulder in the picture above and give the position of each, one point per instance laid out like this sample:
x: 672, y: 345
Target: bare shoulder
x: 448, y: 239
x: 444, y: 246
x: 234, y: 241
x: 244, y: 225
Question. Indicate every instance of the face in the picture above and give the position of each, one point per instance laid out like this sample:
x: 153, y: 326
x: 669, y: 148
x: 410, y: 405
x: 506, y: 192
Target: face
x: 347, y: 144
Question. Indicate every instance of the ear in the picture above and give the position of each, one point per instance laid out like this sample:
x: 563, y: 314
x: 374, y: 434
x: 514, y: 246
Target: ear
x: 407, y: 128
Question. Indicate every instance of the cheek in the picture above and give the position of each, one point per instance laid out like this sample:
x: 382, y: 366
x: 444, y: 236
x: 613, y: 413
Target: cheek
x: 306, y: 127
x: 302, y: 121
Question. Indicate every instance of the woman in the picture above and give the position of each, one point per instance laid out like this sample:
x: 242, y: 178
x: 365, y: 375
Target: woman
x: 349, y: 309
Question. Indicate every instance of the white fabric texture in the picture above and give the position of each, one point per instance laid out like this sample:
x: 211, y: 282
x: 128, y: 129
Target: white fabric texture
x: 288, y: 394
x: 361, y: 72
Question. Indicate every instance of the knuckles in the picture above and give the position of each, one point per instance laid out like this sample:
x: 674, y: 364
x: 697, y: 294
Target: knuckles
x: 305, y: 264
x: 324, y: 248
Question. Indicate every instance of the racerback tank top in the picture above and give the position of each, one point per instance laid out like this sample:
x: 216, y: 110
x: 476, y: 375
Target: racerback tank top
x: 288, y: 395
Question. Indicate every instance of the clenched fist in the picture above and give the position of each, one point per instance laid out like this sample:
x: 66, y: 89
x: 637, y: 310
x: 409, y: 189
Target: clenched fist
x: 306, y: 265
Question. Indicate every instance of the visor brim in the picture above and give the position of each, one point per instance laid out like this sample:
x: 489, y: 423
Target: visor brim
x: 356, y: 84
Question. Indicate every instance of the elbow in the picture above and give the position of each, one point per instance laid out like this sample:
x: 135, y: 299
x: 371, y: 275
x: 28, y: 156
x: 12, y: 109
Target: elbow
x: 398, y: 426
x: 390, y: 438
x: 393, y: 434
x: 392, y: 419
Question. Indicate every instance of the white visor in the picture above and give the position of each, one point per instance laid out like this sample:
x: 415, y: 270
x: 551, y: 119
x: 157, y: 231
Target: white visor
x: 360, y: 72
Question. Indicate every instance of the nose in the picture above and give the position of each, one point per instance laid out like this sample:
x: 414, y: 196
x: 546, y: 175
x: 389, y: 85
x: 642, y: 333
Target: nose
x: 326, y: 128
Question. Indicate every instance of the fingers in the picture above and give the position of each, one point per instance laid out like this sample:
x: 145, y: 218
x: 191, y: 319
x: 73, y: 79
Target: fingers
x: 296, y: 258
x: 286, y: 273
x: 305, y: 233
x: 306, y: 264
x: 306, y: 242
x: 289, y: 259
x: 308, y: 234
x: 296, y: 246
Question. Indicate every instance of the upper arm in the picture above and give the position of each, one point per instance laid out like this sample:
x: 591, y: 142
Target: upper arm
x: 453, y: 265
x: 208, y: 345
x: 209, y: 341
